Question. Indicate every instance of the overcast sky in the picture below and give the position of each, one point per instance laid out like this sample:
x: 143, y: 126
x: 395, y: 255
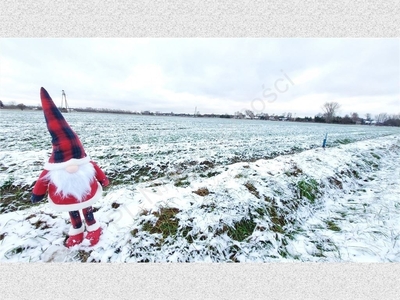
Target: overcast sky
x: 273, y: 76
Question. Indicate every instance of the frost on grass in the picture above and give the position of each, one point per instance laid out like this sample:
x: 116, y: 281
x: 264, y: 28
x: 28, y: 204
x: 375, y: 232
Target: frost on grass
x: 185, y: 192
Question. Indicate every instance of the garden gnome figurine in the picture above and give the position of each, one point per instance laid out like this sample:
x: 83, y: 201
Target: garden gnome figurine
x: 72, y: 180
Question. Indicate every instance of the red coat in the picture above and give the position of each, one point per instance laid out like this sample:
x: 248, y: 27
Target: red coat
x: 69, y: 203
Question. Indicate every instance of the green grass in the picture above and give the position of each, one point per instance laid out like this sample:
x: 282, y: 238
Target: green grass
x: 343, y: 141
x: 14, y: 197
x: 278, y: 221
x: 166, y: 224
x: 242, y: 229
x: 212, y: 174
x: 182, y: 182
x: 356, y: 174
x: 332, y: 226
x: 375, y: 155
x: 308, y: 188
x: 14, y: 251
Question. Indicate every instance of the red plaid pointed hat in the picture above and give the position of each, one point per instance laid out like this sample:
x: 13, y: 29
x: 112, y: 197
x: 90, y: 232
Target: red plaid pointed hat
x: 67, y: 148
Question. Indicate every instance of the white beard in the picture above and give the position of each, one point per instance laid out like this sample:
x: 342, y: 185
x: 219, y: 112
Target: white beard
x: 75, y: 184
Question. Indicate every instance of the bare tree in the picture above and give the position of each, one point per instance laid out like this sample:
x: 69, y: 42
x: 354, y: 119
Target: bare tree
x: 330, y: 110
x: 239, y: 115
x: 355, y: 117
x: 21, y: 106
x: 368, y: 117
x: 382, y: 117
x: 396, y: 116
x: 250, y: 114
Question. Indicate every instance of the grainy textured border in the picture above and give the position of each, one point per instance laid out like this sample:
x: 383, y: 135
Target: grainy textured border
x: 200, y: 281
x: 195, y: 18
x: 229, y: 18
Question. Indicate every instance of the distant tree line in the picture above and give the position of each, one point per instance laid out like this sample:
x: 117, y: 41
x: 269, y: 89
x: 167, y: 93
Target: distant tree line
x: 102, y: 110
x: 13, y: 105
x: 21, y: 106
x: 328, y: 115
x: 330, y: 110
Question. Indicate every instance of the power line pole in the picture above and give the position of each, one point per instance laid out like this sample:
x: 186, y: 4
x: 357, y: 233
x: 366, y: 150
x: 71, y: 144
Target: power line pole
x: 64, y: 98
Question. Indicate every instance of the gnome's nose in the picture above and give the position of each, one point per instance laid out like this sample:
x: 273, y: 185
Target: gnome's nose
x: 72, y: 168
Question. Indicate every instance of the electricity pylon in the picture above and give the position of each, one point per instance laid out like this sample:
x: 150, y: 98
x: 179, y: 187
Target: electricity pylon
x: 64, y: 99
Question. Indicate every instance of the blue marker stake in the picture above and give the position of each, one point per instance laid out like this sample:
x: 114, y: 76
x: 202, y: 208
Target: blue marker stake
x: 324, y: 142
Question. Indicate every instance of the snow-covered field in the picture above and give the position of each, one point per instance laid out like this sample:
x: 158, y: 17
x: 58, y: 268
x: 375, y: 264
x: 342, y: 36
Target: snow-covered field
x: 210, y: 190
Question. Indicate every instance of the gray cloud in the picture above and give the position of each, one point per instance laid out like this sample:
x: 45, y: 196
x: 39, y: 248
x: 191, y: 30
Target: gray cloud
x: 219, y: 74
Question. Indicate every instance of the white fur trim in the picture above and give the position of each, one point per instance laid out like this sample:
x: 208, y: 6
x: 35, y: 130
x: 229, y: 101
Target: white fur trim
x: 62, y: 165
x: 75, y: 231
x: 93, y: 227
x: 77, y: 206
x: 76, y: 184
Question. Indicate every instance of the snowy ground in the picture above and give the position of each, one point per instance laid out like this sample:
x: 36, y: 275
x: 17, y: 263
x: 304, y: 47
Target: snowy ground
x: 338, y: 204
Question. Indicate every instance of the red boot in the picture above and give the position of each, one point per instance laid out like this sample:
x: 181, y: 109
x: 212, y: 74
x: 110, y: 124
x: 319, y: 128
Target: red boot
x: 94, y: 232
x: 75, y: 237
